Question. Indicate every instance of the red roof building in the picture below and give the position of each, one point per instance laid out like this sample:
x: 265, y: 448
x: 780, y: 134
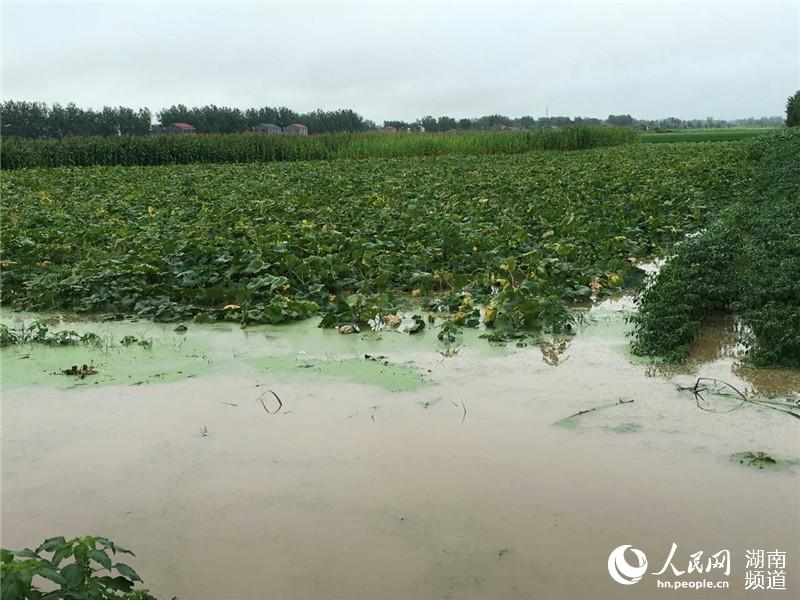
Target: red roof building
x: 179, y: 128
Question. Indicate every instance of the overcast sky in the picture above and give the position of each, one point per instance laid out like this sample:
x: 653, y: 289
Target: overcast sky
x: 406, y: 60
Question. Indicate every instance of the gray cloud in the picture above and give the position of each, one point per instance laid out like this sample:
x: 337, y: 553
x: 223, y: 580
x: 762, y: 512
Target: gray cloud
x: 406, y: 60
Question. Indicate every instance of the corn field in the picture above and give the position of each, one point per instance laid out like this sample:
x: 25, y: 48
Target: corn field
x: 242, y: 148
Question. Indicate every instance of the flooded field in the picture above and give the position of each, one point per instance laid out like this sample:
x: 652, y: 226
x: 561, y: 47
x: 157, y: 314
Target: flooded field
x: 294, y: 462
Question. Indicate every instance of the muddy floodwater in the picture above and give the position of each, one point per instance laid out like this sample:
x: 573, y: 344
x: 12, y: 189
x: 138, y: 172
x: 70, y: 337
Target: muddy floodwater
x: 297, y: 463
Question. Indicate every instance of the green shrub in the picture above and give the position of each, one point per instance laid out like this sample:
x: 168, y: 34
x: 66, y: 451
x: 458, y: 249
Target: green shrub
x: 82, y: 569
x: 793, y: 110
x: 747, y: 261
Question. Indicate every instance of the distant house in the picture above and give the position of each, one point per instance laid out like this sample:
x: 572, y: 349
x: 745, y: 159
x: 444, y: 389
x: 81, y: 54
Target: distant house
x: 267, y: 128
x: 389, y: 129
x: 296, y: 129
x: 418, y: 129
x: 499, y: 127
x: 179, y: 128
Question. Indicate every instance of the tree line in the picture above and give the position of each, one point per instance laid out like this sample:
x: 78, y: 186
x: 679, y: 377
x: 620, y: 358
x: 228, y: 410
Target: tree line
x: 222, y: 119
x: 38, y: 120
x: 489, y: 122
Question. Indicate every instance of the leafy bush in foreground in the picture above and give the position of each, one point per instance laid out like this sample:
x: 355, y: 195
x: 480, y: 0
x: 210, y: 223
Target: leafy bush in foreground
x: 75, y: 566
x: 527, y: 235
x: 37, y: 332
x: 242, y: 148
x: 747, y: 261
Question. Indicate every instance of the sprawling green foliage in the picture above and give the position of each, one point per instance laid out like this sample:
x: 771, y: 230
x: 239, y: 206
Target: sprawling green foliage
x: 238, y: 148
x: 526, y: 235
x: 748, y: 261
x: 38, y: 332
x: 82, y: 568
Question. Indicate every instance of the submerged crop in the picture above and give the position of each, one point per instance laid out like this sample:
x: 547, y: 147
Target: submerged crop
x: 525, y: 237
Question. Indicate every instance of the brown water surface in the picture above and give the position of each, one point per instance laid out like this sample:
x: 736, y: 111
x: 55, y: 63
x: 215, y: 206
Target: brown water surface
x: 450, y: 481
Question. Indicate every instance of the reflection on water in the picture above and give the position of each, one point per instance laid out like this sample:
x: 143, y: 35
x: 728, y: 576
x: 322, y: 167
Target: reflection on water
x: 720, y: 338
x: 718, y: 351
x: 769, y: 382
x: 553, y: 351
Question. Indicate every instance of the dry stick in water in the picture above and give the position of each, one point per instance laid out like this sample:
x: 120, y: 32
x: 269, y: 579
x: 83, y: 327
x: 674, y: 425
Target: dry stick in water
x: 588, y: 410
x: 697, y: 390
x: 698, y: 396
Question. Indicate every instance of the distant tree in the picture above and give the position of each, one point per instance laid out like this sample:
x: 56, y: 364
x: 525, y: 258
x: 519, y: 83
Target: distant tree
x: 133, y: 122
x: 322, y: 121
x: 793, y: 110
x: 545, y: 122
x: 177, y: 113
x: 758, y: 122
x: 446, y: 124
x: 286, y: 116
x: 430, y: 124
x: 256, y: 116
x: 525, y: 122
x: 227, y: 120
x: 488, y: 121
x: 24, y: 119
x: 587, y: 121
x: 620, y: 120
x: 207, y: 119
x: 57, y: 121
x: 70, y: 120
x: 35, y: 120
x: 401, y: 125
x: 464, y: 124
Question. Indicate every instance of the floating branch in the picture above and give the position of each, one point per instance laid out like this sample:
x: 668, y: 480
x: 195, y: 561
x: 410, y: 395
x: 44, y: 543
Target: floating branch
x: 268, y: 411
x: 588, y: 410
x: 565, y: 422
x: 708, y: 385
